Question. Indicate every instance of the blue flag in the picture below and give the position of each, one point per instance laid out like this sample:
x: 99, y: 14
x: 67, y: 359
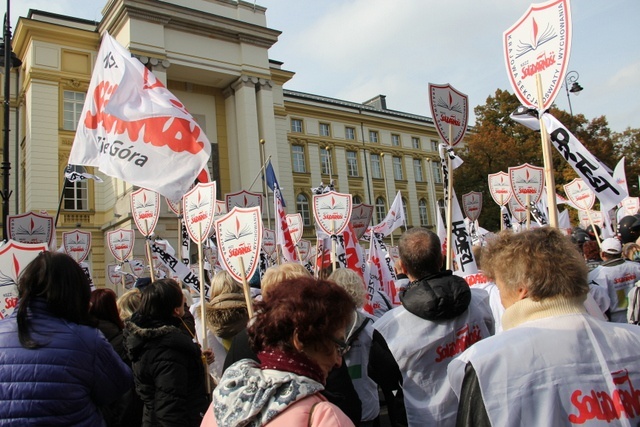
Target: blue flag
x: 272, y: 182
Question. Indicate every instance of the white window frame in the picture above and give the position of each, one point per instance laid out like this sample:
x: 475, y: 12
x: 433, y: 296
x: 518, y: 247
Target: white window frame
x: 303, y: 208
x: 325, y: 161
x: 422, y: 211
x: 72, y: 105
x: 298, y: 159
x: 398, y: 173
x: 374, y: 136
x: 376, y: 166
x: 352, y: 163
x: 395, y: 140
x: 76, y: 194
x: 350, y: 133
x: 415, y: 142
x: 325, y: 129
x: 417, y: 170
x: 437, y: 173
x: 297, y: 125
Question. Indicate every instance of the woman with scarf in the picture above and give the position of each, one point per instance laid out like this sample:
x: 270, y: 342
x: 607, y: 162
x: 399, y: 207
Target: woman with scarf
x: 298, y: 334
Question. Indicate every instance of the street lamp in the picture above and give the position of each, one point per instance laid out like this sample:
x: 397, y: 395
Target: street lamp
x: 572, y: 78
x: 8, y: 60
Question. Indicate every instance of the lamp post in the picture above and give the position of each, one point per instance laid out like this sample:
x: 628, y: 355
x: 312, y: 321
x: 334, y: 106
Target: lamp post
x: 572, y: 78
x: 9, y: 61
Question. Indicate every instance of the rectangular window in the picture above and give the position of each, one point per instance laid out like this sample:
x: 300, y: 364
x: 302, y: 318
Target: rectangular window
x: 296, y: 125
x: 352, y: 163
x: 415, y: 143
x: 325, y: 130
x: 76, y: 194
x: 417, y: 170
x: 350, y: 133
x: 376, y: 170
x: 299, y: 165
x: 437, y: 174
x: 395, y: 140
x: 325, y: 161
x: 373, y: 136
x: 397, y: 169
x: 73, y: 102
x: 434, y: 145
x: 422, y: 209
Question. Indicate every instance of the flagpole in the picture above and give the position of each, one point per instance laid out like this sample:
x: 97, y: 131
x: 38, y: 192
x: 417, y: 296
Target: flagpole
x: 528, y: 203
x: 547, y: 155
x: 264, y: 182
x: 386, y: 190
x: 259, y: 173
x: 64, y: 186
x: 449, y: 203
x: 245, y: 287
x: 501, y: 205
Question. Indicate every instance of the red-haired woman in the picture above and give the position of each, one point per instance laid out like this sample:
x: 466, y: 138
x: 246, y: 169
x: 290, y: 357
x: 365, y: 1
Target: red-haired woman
x: 298, y: 334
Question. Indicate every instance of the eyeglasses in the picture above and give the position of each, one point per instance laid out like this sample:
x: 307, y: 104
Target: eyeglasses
x: 341, y: 346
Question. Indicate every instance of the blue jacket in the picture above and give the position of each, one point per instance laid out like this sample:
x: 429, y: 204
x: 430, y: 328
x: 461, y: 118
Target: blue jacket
x: 63, y: 382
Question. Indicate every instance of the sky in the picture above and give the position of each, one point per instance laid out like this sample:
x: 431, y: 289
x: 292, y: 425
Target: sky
x: 357, y: 49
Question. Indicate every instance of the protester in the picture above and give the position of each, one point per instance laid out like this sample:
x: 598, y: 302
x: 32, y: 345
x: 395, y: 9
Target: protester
x: 617, y: 276
x: 128, y: 303
x: 490, y: 287
x: 299, y: 335
x: 167, y: 365
x: 56, y: 369
x: 339, y: 388
x: 369, y: 360
x: 439, y: 318
x: 591, y: 253
x: 553, y: 364
x: 631, y: 252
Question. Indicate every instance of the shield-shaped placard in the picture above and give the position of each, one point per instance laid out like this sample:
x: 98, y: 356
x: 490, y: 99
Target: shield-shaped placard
x: 240, y: 238
x: 631, y: 205
x: 137, y: 267
x: 580, y: 194
x: 361, y: 218
x: 518, y: 212
x: 500, y: 187
x: 449, y: 107
x: 14, y: 257
x: 31, y: 228
x: 472, y: 204
x: 120, y: 243
x: 243, y: 199
x: 539, y: 43
x: 596, y: 217
x: 304, y: 247
x: 113, y: 273
x: 198, y: 207
x: 175, y: 206
x: 221, y: 208
x: 76, y: 244
x: 332, y: 211
x: 294, y: 222
x: 268, y: 241
x: 526, y: 180
x: 145, y: 208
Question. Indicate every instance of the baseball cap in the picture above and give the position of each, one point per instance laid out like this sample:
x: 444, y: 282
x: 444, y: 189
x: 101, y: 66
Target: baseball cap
x: 611, y: 246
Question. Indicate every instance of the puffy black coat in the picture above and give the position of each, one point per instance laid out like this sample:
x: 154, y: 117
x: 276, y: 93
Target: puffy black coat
x: 168, y: 372
x: 441, y: 296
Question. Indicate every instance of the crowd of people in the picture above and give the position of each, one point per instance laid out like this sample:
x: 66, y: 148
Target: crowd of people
x: 549, y: 338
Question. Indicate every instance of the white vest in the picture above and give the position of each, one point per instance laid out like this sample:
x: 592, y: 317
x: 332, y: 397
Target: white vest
x: 423, y: 349
x: 357, y: 360
x: 618, y: 281
x: 563, y: 370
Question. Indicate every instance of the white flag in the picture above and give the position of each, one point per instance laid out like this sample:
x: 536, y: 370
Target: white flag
x: 134, y: 129
x: 394, y: 219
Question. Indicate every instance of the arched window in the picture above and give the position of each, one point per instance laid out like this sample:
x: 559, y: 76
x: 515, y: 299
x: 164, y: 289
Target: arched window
x: 302, y: 206
x: 356, y: 200
x: 422, y: 210
x: 381, y: 209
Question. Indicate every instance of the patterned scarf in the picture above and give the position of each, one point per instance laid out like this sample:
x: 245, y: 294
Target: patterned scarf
x: 290, y: 361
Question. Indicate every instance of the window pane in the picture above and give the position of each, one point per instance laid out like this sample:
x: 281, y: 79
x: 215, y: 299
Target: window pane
x: 373, y: 136
x: 415, y: 142
x: 325, y: 130
x: 356, y: 200
x: 395, y: 140
x: 72, y: 109
x: 376, y: 172
x: 298, y: 159
x: 352, y: 163
x: 350, y: 133
x: 404, y: 211
x: 417, y: 170
x: 437, y: 177
x: 76, y: 194
x: 381, y: 211
x: 397, y: 169
x: 325, y: 162
x: 302, y: 206
x: 296, y: 125
x: 422, y: 209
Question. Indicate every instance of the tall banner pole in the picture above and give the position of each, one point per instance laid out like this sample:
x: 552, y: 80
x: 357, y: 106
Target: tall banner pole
x: 547, y: 155
x: 386, y: 190
x: 448, y: 226
x: 147, y: 248
x: 264, y: 183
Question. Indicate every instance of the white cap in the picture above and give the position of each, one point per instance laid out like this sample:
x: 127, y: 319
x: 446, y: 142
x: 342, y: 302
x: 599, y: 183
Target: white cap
x: 611, y: 246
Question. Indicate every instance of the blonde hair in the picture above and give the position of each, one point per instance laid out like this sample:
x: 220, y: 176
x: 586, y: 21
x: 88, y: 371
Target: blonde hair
x: 128, y: 303
x: 542, y: 260
x: 278, y: 273
x: 629, y: 249
x: 224, y: 283
x: 352, y: 283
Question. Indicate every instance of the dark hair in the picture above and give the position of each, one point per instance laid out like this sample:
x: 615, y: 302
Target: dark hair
x: 420, y: 252
x: 312, y: 309
x: 58, y: 279
x: 103, y: 306
x: 591, y: 250
x: 160, y: 298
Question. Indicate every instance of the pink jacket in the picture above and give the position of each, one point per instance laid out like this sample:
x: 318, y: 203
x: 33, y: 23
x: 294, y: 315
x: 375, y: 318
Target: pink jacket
x: 325, y: 414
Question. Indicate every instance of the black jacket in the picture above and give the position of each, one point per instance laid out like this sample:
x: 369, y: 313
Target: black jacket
x: 440, y: 296
x: 168, y: 371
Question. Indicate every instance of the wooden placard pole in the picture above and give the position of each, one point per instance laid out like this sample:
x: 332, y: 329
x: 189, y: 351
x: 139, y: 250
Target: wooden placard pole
x: 245, y: 287
x: 549, y: 178
x: 449, y: 263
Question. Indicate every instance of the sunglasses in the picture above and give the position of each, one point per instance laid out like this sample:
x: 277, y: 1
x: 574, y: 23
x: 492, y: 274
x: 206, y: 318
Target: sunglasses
x: 341, y: 346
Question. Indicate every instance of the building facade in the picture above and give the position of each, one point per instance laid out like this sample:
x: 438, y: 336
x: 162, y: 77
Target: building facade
x: 214, y: 57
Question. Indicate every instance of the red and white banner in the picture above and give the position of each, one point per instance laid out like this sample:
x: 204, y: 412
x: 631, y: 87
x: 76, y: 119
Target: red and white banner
x: 449, y: 108
x: 620, y: 177
x: 120, y: 243
x: 361, y: 218
x: 500, y: 187
x: 76, y: 244
x: 332, y: 212
x: 198, y: 207
x: 472, y: 205
x: 243, y: 199
x: 14, y: 257
x: 539, y: 43
x: 580, y: 194
x: 283, y: 236
x: 133, y: 128
x: 145, y: 208
x: 394, y: 219
x: 31, y: 228
x: 294, y: 222
x: 240, y: 240
x: 526, y: 180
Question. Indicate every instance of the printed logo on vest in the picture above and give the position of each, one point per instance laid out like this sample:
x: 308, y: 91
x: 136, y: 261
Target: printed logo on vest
x: 465, y: 337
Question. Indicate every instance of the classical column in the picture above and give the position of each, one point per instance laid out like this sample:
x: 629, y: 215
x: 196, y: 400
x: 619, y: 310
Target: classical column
x: 412, y: 200
x: 247, y: 131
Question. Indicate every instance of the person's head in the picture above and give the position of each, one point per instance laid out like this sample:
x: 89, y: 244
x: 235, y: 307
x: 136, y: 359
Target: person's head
x: 304, y: 315
x: 162, y: 300
x: 58, y: 279
x: 224, y: 283
x: 352, y: 283
x: 537, y: 264
x: 591, y: 251
x: 631, y: 251
x: 611, y: 248
x: 420, y: 253
x: 279, y: 273
x: 129, y: 302
x: 103, y: 306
